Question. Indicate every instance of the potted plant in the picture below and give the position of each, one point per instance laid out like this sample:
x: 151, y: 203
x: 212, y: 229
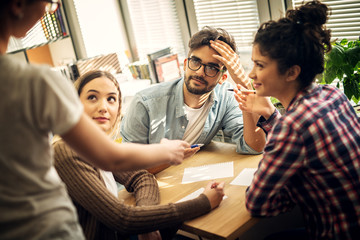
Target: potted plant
x: 343, y: 63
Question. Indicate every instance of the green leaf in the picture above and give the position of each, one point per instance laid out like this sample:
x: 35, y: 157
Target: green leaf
x: 347, y: 69
x: 351, y: 87
x: 353, y: 56
x: 343, y: 62
x: 344, y: 42
x: 357, y: 67
x: 329, y: 75
x: 337, y: 55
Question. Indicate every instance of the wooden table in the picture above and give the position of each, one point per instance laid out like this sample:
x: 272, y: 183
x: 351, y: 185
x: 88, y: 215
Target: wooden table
x: 231, y: 218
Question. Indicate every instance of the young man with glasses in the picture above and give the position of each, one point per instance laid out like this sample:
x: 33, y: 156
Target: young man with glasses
x: 196, y: 107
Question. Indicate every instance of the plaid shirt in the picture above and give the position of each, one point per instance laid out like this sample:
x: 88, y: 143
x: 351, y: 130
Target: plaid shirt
x: 312, y: 159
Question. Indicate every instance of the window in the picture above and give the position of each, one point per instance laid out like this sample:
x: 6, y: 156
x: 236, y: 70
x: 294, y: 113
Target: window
x: 155, y: 25
x: 240, y: 18
x: 344, y: 20
x: 101, y: 26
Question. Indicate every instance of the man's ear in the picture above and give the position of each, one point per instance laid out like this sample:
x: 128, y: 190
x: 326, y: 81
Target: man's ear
x: 223, y: 78
x: 293, y: 73
x: 185, y: 64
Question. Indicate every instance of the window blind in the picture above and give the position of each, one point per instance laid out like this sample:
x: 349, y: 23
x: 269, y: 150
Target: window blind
x: 240, y: 18
x: 344, y: 20
x: 156, y: 26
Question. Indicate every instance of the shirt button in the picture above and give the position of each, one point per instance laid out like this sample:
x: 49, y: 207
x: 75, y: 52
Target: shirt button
x: 183, y: 127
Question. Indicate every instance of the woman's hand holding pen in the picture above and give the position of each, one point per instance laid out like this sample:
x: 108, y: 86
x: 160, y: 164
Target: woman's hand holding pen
x: 232, y: 62
x: 253, y: 103
x: 214, y: 191
x: 191, y: 151
x: 175, y: 150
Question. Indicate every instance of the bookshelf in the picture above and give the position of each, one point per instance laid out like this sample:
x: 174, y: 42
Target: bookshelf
x: 38, y: 46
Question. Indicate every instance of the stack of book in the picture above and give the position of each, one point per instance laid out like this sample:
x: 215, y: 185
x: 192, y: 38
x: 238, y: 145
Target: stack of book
x: 139, y: 70
x: 151, y: 59
x: 53, y: 25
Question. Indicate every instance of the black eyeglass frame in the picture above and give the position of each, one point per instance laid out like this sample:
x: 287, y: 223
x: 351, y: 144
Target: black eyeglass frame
x: 206, y: 66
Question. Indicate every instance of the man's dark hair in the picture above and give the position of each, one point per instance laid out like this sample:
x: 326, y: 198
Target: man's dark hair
x: 203, y: 37
x: 206, y: 34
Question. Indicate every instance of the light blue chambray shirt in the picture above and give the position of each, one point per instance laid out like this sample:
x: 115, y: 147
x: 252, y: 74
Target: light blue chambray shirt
x: 159, y: 112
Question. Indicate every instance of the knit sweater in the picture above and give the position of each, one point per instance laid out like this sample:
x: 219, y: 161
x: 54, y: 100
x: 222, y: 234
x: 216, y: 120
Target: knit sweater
x: 103, y: 216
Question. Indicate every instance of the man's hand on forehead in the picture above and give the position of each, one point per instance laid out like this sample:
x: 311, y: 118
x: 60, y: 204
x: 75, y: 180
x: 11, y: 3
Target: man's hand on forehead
x: 232, y: 62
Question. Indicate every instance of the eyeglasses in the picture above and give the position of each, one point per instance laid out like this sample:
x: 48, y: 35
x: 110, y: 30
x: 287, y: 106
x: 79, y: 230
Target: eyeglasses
x: 52, y: 5
x: 195, y: 64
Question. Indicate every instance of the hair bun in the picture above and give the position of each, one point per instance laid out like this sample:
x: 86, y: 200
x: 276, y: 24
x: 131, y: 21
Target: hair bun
x: 313, y: 12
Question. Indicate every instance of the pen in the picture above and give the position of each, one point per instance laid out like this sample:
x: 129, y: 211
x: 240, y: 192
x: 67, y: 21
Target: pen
x: 248, y: 91
x: 196, y: 145
x: 243, y: 91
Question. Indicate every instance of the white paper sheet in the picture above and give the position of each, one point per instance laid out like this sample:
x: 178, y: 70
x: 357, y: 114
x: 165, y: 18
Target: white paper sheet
x: 245, y: 177
x: 208, y: 172
x: 192, y: 195
x: 195, y: 195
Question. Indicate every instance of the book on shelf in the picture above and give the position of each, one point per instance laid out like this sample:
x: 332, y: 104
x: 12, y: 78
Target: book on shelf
x: 151, y: 57
x: 167, y: 67
x: 53, y: 25
x: 139, y: 70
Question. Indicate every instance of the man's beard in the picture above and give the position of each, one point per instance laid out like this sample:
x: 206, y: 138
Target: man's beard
x: 198, y: 91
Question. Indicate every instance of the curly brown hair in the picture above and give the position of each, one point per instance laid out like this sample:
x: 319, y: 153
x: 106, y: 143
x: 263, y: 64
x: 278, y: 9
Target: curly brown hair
x: 300, y: 38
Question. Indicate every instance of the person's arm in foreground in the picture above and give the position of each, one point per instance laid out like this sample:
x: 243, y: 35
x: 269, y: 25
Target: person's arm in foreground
x: 189, y: 152
x: 96, y: 147
x: 146, y: 192
x: 126, y: 219
x: 253, y: 137
x: 135, y: 127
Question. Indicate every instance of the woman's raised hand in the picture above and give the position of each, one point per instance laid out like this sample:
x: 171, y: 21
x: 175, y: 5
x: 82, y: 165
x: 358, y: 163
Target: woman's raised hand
x: 250, y: 102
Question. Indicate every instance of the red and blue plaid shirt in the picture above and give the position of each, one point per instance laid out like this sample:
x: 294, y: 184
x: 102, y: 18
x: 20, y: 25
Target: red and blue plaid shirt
x: 312, y: 159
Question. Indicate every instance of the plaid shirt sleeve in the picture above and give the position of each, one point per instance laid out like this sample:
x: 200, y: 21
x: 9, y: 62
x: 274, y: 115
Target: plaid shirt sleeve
x: 267, y: 195
x: 267, y: 124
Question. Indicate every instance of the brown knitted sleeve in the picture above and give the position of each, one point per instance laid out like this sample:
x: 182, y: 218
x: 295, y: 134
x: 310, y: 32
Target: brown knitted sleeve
x: 142, y: 183
x: 85, y: 187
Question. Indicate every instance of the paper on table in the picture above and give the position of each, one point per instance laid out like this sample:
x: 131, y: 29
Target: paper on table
x: 194, y: 195
x: 208, y: 172
x: 245, y: 177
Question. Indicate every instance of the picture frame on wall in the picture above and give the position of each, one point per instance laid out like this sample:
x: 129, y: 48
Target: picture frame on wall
x: 167, y: 68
